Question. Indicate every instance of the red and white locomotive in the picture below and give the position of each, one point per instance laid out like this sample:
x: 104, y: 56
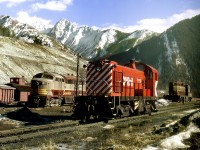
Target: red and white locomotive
x: 114, y: 90
x: 53, y: 89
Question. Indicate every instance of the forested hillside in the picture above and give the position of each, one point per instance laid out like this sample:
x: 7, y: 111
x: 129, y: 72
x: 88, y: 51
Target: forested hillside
x: 175, y: 53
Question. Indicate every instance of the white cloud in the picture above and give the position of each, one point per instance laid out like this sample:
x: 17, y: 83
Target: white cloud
x: 55, y: 5
x: 11, y: 3
x: 38, y: 23
x: 158, y: 24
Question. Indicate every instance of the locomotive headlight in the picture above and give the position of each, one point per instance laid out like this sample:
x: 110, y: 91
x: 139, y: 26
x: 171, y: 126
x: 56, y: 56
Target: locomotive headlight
x: 44, y: 83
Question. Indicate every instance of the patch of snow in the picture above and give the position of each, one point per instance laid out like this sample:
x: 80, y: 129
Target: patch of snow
x: 108, y: 126
x: 191, y: 111
x: 119, y: 146
x: 172, y: 123
x: 89, y: 139
x: 62, y: 146
x: 162, y: 102
x: 140, y: 35
x: 78, y: 36
x: 107, y: 38
x: 2, y: 117
x: 138, y: 50
x: 180, y: 61
x: 172, y: 47
x: 176, y: 141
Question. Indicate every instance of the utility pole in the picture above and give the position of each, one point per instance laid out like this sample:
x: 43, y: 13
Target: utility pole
x: 77, y: 73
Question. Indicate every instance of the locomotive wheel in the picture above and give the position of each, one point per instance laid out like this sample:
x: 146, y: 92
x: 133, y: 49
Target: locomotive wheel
x: 36, y: 101
x: 119, y: 112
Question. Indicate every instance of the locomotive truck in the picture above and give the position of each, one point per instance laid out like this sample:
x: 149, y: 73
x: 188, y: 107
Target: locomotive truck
x: 115, y: 90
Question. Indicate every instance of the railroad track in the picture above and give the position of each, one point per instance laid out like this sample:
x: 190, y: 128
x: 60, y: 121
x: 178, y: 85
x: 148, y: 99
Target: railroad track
x: 23, y: 134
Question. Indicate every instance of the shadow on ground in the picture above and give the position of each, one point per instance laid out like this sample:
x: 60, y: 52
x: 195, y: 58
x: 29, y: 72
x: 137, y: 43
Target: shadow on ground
x: 32, y: 118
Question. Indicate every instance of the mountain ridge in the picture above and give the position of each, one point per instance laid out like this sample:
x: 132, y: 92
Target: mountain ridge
x: 92, y: 43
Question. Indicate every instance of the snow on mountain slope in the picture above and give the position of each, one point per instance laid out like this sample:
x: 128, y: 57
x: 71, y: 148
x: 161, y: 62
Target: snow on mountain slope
x: 89, y: 42
x: 25, y: 31
x: 141, y: 35
x: 107, y: 38
x: 80, y: 39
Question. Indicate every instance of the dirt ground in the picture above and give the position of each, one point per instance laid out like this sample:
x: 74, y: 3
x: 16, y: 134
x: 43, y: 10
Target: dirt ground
x: 15, y: 117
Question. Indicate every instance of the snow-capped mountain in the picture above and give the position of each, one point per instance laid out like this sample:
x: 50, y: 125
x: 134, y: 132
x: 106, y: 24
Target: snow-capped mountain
x: 24, y: 31
x: 88, y: 42
x: 93, y: 43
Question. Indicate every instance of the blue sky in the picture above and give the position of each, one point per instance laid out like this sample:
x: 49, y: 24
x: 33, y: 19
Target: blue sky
x: 126, y: 15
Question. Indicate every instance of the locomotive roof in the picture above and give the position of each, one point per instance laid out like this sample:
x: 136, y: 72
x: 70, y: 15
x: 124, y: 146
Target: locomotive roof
x: 55, y: 74
x: 68, y: 76
x: 50, y: 73
x: 22, y: 88
x: 137, y: 64
x: 152, y: 68
x: 3, y: 86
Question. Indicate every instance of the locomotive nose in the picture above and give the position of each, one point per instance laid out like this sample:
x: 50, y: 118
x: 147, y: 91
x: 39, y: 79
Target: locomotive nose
x: 38, y: 87
x: 35, y: 83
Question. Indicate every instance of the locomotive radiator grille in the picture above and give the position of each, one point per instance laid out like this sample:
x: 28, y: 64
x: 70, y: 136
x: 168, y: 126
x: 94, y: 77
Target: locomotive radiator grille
x: 39, y: 91
x: 99, y: 82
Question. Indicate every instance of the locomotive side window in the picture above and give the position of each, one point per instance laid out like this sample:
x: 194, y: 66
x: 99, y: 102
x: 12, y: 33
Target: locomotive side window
x: 149, y: 74
x: 70, y: 81
x: 59, y: 79
x: 156, y: 76
x: 140, y: 67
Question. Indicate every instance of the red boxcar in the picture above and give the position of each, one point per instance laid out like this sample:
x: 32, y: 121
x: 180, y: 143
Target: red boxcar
x: 116, y: 90
x: 22, y: 91
x: 6, y: 94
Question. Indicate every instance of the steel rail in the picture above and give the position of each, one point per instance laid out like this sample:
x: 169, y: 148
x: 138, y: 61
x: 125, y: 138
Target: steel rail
x: 22, y: 134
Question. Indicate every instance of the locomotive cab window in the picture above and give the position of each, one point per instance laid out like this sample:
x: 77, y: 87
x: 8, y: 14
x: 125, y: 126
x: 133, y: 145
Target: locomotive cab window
x: 70, y: 81
x: 59, y: 79
x: 149, y: 74
x: 156, y: 76
x: 140, y: 67
x: 38, y: 75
